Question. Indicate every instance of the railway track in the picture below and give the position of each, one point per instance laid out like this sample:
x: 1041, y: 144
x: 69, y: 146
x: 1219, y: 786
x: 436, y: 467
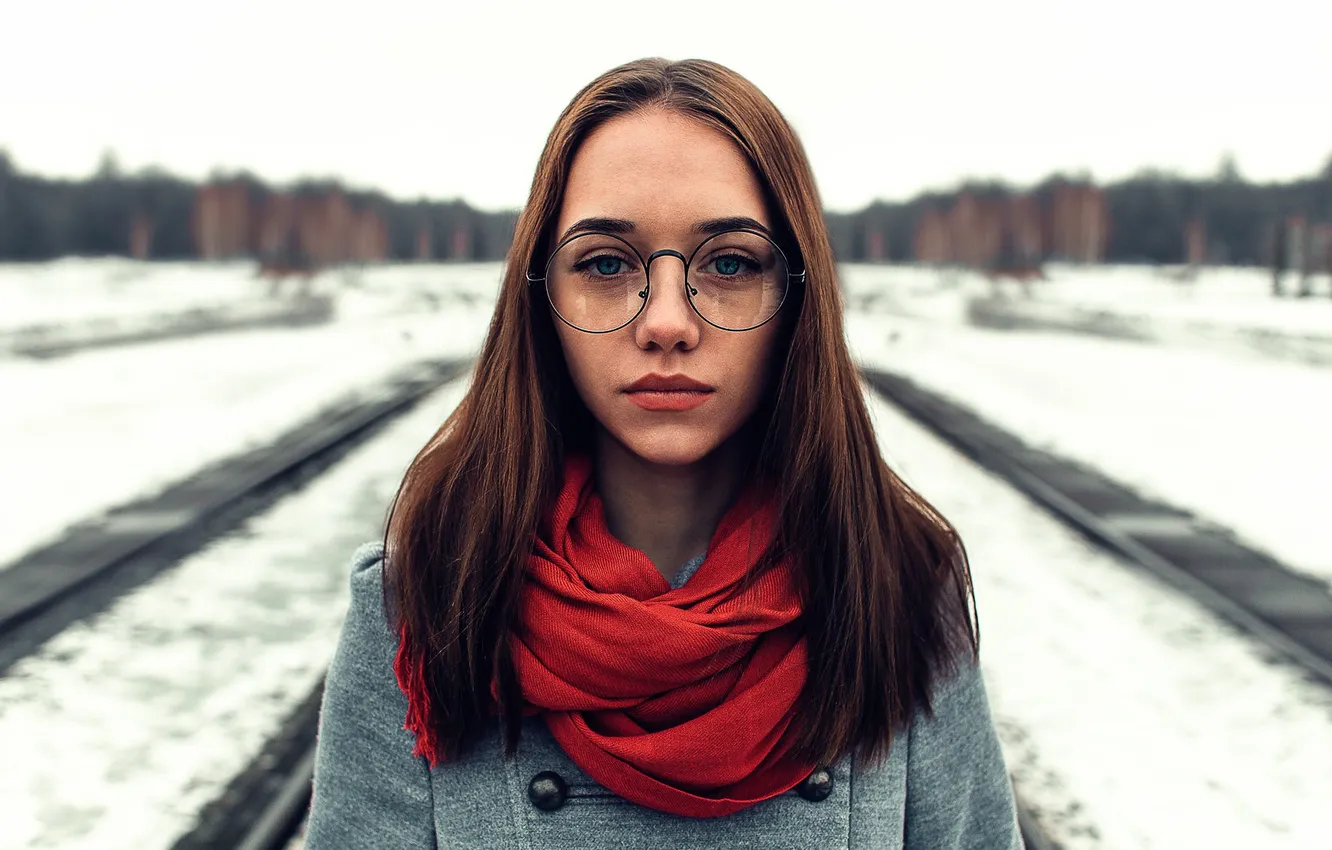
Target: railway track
x: 94, y: 563
x: 44, y: 342
x: 1289, y: 612
x: 264, y: 807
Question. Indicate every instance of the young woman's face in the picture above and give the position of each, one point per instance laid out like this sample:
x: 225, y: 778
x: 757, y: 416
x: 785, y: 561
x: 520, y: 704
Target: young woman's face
x: 668, y: 176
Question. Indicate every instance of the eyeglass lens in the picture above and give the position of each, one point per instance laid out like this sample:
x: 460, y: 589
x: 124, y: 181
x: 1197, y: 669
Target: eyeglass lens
x: 737, y: 280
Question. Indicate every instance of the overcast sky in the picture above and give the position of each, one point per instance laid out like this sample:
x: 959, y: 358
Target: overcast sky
x: 445, y: 99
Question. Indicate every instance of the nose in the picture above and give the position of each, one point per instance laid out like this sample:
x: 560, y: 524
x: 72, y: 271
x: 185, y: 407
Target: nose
x: 667, y: 321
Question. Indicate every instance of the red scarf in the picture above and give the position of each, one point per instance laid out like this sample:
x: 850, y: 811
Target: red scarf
x: 681, y: 700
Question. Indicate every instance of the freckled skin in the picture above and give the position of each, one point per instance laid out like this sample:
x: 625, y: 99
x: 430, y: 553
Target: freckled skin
x: 665, y: 172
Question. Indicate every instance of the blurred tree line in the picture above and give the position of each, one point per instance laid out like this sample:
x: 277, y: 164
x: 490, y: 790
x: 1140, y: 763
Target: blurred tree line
x: 42, y: 218
x: 1149, y: 213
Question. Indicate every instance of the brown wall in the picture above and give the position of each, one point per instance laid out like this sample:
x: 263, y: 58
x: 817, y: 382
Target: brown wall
x: 983, y: 233
x: 306, y: 230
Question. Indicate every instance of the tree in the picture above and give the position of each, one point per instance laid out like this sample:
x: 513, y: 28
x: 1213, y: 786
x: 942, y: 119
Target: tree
x: 108, y: 167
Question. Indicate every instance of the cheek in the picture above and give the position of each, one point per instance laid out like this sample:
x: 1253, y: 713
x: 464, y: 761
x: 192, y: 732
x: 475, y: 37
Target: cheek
x: 760, y: 357
x: 583, y: 357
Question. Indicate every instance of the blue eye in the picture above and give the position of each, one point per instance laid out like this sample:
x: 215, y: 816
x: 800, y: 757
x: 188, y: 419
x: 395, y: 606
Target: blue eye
x: 728, y: 266
x: 608, y: 265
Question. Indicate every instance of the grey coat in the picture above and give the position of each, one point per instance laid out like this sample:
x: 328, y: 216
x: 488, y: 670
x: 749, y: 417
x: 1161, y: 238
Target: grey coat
x: 943, y: 786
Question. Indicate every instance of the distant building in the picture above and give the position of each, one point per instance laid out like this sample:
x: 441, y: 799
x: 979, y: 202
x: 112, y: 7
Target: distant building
x: 287, y: 232
x: 875, y: 246
x: 1195, y: 242
x: 369, y: 238
x: 141, y: 237
x: 983, y: 233
x: 1320, y: 248
x: 461, y: 244
x: 278, y: 245
x: 1024, y: 237
x: 1079, y: 223
x: 931, y: 243
x: 223, y: 223
x: 1296, y: 244
x: 425, y: 243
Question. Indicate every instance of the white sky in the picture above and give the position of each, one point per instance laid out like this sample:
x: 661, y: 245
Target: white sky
x: 445, y: 99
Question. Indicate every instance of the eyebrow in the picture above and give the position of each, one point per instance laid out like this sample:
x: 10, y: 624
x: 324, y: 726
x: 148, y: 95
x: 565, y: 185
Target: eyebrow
x: 710, y: 227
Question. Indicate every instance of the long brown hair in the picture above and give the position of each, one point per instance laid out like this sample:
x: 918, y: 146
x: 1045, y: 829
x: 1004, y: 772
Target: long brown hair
x: 888, y: 605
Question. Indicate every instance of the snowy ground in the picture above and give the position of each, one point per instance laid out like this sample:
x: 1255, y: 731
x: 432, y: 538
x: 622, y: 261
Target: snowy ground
x: 1130, y: 716
x: 76, y: 289
x: 1222, y: 310
x: 81, y: 302
x: 89, y: 431
x: 1240, y: 440
x: 119, y: 730
x: 1230, y: 297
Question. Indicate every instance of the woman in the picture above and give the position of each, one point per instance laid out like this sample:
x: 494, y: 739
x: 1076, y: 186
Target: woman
x: 652, y: 584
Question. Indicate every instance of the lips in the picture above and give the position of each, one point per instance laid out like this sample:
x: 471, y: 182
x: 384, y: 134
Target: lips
x: 668, y: 384
x: 676, y: 393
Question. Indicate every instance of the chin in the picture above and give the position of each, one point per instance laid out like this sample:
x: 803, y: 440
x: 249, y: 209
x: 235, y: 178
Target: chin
x: 677, y: 445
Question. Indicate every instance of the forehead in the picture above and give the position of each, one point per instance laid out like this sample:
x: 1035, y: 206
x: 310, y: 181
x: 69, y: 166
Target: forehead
x: 662, y: 171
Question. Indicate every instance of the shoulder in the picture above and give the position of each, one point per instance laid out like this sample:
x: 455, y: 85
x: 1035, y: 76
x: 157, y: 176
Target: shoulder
x: 368, y: 557
x: 960, y: 691
x: 366, y: 621
x: 367, y: 645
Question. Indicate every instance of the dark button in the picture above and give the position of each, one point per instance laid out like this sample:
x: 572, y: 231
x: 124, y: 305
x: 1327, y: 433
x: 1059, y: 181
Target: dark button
x: 547, y: 790
x: 817, y: 786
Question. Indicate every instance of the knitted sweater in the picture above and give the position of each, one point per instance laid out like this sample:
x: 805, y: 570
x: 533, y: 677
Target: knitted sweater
x: 944, y: 785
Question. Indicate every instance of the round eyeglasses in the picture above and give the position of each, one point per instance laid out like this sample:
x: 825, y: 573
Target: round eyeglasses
x: 735, y: 280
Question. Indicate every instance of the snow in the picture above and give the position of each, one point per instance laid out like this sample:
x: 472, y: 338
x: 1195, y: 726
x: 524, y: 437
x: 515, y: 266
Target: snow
x: 118, y: 731
x: 78, y: 289
x: 1219, y: 305
x: 1129, y: 715
x: 1225, y: 310
x: 1240, y: 440
x: 104, y: 426
x: 80, y: 302
x: 113, y: 291
x: 1216, y: 297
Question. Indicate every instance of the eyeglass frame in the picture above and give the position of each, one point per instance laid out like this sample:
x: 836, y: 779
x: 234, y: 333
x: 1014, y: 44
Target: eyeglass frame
x: 647, y: 274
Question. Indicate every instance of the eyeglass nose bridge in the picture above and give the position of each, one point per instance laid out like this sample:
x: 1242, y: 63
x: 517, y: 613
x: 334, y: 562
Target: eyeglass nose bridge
x: 666, y: 252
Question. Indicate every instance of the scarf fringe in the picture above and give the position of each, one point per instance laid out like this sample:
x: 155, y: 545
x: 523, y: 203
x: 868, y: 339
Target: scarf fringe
x: 410, y: 672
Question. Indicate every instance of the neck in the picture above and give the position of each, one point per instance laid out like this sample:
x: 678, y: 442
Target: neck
x: 667, y: 512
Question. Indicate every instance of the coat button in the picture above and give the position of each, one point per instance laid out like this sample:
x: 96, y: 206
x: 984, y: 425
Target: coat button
x: 817, y: 786
x: 547, y: 790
